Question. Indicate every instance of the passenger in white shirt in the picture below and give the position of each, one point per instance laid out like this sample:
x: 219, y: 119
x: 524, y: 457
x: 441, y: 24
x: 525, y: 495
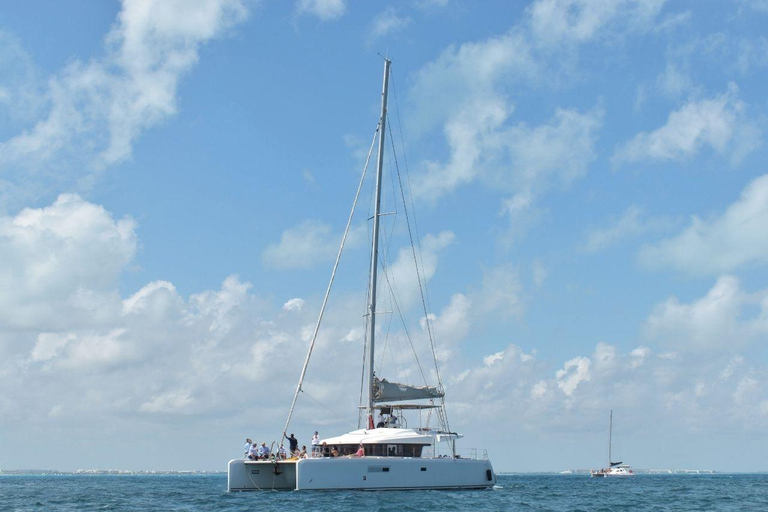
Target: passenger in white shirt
x: 315, y: 443
x: 248, y: 444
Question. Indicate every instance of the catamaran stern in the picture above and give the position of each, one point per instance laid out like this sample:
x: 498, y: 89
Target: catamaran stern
x: 261, y: 475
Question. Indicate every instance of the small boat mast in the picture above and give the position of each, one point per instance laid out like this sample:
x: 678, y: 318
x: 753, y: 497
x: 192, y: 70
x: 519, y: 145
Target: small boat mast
x: 610, y: 435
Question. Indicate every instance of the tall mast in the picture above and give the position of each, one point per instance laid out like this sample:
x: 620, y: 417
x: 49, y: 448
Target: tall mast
x: 610, y: 433
x: 375, y: 248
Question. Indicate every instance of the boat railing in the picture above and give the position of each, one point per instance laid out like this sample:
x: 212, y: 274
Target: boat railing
x: 473, y: 453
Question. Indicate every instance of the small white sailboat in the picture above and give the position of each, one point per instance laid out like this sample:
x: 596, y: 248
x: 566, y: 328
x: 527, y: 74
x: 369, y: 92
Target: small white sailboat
x: 613, y: 468
x: 393, y: 456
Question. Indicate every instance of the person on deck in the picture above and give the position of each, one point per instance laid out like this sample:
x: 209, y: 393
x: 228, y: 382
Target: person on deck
x: 315, y: 443
x: 360, y: 451
x: 293, y: 443
x: 303, y: 453
x: 253, y: 452
x: 263, y: 451
x: 281, y: 453
x: 248, y: 444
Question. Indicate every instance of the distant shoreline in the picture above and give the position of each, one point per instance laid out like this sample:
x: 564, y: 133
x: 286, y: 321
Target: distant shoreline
x: 125, y: 472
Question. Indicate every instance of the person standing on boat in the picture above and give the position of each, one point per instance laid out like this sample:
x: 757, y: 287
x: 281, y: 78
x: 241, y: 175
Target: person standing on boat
x: 315, y: 443
x: 248, y: 444
x: 293, y: 444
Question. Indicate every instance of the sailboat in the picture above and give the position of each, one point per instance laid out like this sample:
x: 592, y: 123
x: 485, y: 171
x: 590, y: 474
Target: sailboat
x: 613, y: 468
x: 386, y: 454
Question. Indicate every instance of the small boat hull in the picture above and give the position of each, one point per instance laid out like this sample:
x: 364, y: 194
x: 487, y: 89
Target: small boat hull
x: 612, y: 472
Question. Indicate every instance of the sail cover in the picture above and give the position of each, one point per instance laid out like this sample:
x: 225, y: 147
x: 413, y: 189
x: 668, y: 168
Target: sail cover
x: 385, y: 391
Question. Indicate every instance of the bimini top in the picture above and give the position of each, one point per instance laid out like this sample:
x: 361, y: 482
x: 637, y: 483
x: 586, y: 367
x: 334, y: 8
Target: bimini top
x: 383, y: 436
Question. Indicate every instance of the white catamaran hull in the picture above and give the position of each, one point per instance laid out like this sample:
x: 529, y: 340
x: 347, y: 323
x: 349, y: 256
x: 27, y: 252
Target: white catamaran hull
x: 365, y: 473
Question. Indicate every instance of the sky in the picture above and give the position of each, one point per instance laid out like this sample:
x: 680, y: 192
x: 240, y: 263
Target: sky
x: 588, y: 180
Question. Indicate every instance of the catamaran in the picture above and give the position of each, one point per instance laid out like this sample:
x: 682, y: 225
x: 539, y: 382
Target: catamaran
x: 385, y: 454
x: 613, y: 468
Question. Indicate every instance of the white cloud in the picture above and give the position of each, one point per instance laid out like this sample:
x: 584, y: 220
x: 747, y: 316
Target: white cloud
x: 631, y: 224
x: 401, y: 274
x: 501, y: 293
x: 294, y: 305
x: 221, y: 308
x: 96, y: 109
x: 733, y: 365
x: 722, y: 243
x: 325, y: 10
x: 307, y: 245
x: 65, y: 257
x: 627, y: 225
x: 639, y: 355
x: 49, y: 345
x: 674, y: 82
x: 20, y: 97
x: 451, y: 326
x: 388, y: 22
x: 717, y: 321
x: 719, y: 123
x: 539, y: 389
x: 757, y: 5
x: 172, y: 401
x: 576, y: 21
x: 95, y: 352
x: 525, y: 159
x: 489, y: 360
x: 574, y: 372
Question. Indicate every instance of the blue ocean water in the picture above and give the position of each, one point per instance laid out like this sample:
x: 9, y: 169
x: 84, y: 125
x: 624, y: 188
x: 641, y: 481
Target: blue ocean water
x: 571, y: 493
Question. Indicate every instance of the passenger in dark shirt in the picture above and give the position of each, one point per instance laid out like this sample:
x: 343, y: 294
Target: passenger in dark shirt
x: 293, y: 444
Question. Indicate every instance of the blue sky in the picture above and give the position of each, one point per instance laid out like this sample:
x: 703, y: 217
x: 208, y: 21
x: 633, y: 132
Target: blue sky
x: 589, y: 182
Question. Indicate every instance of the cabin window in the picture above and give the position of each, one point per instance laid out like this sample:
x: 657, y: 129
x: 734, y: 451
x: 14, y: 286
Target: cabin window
x: 386, y: 450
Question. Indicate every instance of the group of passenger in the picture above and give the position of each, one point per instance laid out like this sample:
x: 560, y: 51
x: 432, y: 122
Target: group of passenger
x: 254, y: 451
